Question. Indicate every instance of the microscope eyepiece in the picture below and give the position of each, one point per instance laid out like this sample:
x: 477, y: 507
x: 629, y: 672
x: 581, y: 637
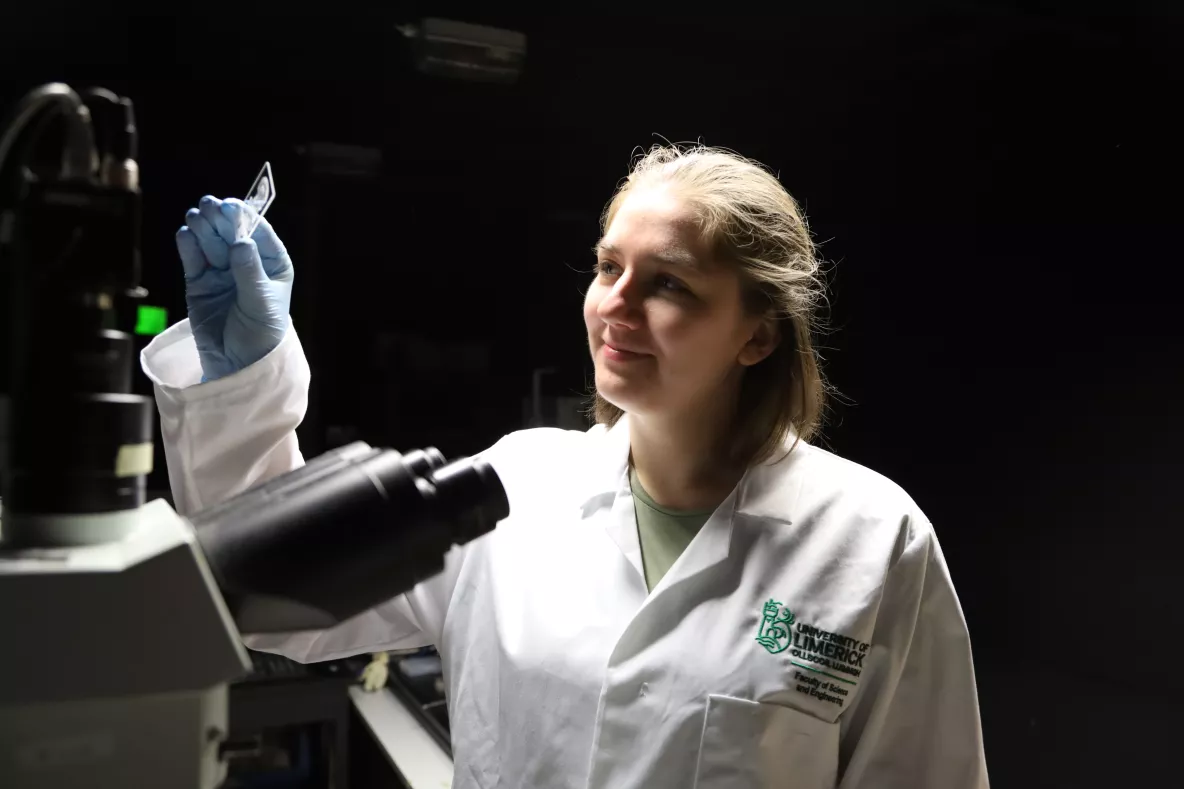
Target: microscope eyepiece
x: 352, y: 529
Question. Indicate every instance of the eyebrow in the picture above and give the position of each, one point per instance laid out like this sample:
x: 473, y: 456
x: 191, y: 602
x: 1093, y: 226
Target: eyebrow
x: 672, y: 257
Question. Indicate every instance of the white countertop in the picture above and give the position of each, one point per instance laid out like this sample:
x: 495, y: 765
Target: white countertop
x: 415, y: 755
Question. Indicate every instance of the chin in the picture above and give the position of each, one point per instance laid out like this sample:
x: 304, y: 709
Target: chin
x: 628, y: 396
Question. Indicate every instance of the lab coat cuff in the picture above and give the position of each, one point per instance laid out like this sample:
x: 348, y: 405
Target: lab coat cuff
x: 172, y: 363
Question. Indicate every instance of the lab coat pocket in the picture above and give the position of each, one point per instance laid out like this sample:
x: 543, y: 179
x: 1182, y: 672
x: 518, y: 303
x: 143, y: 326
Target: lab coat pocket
x: 753, y: 744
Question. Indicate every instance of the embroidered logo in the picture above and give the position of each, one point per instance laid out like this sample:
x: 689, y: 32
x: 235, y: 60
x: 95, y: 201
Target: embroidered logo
x: 832, y: 661
x: 774, y: 633
x: 780, y: 630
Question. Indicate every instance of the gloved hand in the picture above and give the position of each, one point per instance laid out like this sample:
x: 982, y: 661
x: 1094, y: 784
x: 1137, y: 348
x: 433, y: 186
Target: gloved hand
x: 237, y: 292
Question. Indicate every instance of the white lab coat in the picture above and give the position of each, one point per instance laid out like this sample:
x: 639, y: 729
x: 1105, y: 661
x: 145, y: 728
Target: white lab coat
x: 563, y: 671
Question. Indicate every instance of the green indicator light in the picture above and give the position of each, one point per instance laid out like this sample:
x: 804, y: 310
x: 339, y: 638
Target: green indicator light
x: 151, y: 320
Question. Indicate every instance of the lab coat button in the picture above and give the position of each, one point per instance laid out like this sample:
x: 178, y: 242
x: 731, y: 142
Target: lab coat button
x: 645, y: 688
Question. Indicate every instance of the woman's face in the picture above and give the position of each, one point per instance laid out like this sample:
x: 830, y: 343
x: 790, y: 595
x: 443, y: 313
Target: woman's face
x: 667, y: 327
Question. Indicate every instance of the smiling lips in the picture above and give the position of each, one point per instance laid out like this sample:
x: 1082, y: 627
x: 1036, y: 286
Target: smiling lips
x: 619, y: 354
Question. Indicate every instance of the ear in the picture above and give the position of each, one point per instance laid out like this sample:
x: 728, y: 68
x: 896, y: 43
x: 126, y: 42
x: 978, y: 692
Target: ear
x: 765, y: 338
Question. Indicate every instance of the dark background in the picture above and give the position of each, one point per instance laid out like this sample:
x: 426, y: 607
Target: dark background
x: 999, y: 193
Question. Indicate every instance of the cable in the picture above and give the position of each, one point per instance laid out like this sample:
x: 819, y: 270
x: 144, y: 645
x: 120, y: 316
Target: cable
x: 114, y: 121
x: 105, y: 113
x: 131, y: 134
x: 80, y: 157
x: 18, y: 137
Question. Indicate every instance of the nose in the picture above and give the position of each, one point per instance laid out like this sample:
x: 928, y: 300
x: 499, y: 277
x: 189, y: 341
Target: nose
x: 621, y: 307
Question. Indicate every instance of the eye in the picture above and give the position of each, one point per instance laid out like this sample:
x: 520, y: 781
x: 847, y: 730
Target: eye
x: 606, y: 267
x: 670, y: 284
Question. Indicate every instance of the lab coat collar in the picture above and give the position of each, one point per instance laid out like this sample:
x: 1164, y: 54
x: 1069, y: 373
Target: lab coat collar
x: 765, y: 493
x: 610, y: 464
x: 608, y: 487
x: 770, y: 490
x: 767, y: 490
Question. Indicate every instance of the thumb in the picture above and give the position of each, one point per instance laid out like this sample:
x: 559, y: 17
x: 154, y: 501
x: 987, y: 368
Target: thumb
x: 251, y: 281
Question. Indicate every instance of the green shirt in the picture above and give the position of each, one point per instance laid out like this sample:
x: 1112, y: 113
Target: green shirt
x: 664, y: 533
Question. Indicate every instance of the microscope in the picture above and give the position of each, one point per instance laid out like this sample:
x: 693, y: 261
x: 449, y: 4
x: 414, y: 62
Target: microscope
x: 120, y: 619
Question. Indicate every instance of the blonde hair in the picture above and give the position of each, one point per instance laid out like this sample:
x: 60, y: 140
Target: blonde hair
x: 753, y: 223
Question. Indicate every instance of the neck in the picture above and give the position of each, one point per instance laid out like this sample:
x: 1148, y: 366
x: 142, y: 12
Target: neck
x: 679, y: 463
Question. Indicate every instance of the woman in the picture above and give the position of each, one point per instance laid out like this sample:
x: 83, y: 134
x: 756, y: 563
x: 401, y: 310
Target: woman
x: 687, y: 595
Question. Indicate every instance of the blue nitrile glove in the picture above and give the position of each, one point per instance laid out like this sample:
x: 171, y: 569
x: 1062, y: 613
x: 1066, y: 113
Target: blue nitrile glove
x: 237, y: 291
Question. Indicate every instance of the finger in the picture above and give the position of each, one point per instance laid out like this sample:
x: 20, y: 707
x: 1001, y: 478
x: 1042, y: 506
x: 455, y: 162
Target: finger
x: 268, y: 240
x: 211, y: 209
x: 276, y: 261
x: 193, y: 261
x: 212, y: 245
x: 236, y: 213
x: 250, y: 279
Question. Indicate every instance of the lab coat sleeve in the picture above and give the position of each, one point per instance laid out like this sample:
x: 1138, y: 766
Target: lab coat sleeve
x: 917, y: 724
x: 228, y: 435
x: 225, y: 436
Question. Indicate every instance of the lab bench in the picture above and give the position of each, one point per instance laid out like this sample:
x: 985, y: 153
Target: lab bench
x: 304, y: 726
